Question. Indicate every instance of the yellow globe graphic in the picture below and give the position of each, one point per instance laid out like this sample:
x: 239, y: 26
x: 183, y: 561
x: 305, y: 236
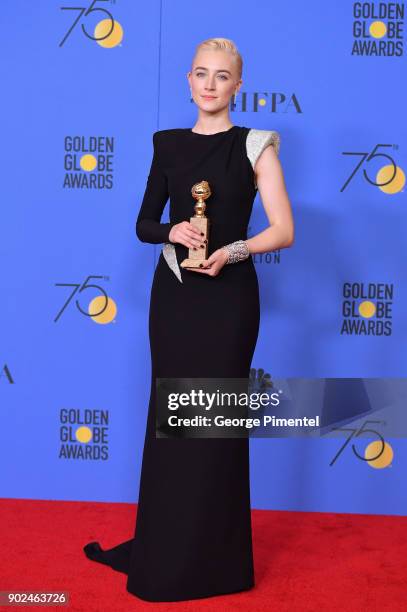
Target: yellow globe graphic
x: 377, y: 29
x: 107, y: 312
x: 113, y: 39
x: 374, y: 449
x: 367, y: 309
x: 83, y: 434
x: 88, y: 162
x: 262, y: 102
x: 385, y: 174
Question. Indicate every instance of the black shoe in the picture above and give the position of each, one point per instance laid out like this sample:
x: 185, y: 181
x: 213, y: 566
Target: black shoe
x: 94, y: 552
x: 118, y: 557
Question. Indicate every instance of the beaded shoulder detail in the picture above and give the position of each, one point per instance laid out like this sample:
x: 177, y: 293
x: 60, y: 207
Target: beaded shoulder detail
x: 257, y: 141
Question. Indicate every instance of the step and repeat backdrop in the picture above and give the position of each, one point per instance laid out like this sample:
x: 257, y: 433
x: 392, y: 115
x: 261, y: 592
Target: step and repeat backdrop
x: 84, y: 87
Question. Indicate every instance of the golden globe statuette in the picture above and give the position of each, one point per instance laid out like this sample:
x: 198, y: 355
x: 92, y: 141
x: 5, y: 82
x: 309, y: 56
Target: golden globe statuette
x: 200, y: 192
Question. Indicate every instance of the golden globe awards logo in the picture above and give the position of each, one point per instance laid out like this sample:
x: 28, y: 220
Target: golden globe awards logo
x: 84, y: 434
x: 378, y: 29
x: 88, y: 162
x: 367, y: 309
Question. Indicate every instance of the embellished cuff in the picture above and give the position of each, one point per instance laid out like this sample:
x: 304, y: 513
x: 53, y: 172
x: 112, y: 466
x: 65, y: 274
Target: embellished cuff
x: 237, y: 251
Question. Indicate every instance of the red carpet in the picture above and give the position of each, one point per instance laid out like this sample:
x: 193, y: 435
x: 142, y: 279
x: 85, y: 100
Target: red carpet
x: 303, y: 561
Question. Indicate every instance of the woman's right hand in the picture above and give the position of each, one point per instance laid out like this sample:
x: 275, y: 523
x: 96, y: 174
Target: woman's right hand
x: 187, y: 234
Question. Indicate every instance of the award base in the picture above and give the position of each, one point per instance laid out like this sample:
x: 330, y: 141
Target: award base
x: 196, y: 257
x: 191, y: 263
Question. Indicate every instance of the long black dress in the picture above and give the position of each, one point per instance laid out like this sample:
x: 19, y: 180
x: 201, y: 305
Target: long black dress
x: 193, y: 530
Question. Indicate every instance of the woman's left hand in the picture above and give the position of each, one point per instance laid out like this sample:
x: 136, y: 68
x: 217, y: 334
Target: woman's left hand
x: 214, y: 264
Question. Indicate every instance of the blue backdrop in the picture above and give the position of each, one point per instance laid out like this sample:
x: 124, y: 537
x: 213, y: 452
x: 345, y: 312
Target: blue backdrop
x: 83, y: 91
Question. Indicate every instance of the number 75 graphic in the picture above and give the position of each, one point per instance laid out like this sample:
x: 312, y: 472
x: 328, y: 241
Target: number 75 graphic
x: 85, y: 12
x: 79, y: 288
x: 356, y: 433
x: 367, y: 157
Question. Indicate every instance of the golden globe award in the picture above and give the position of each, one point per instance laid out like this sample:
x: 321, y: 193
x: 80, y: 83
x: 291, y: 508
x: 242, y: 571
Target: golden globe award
x: 200, y: 192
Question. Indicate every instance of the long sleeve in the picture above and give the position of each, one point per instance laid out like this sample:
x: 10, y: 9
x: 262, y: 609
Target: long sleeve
x: 148, y: 226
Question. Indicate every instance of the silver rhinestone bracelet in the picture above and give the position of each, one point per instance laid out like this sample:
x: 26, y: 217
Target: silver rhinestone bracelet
x: 237, y: 251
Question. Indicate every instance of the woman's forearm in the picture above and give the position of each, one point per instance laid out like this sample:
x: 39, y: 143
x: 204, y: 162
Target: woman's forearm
x: 272, y: 238
x: 152, y: 231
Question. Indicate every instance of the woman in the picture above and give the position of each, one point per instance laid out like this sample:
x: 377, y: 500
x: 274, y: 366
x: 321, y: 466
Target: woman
x: 193, y: 529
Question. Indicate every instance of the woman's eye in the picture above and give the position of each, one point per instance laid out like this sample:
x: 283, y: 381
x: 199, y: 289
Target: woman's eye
x: 222, y: 76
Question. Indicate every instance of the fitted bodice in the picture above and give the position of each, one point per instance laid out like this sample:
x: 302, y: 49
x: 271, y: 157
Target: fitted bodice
x: 221, y: 159
x: 226, y: 160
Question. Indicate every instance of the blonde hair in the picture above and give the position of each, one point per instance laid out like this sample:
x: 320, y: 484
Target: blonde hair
x: 222, y: 44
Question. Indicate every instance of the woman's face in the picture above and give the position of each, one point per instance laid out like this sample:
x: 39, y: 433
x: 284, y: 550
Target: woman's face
x: 213, y: 79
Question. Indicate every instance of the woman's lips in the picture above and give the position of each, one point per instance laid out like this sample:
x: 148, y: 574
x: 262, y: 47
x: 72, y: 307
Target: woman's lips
x: 209, y: 97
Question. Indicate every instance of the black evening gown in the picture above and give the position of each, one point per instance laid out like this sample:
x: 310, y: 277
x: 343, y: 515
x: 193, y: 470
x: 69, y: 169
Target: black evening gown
x: 193, y: 535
